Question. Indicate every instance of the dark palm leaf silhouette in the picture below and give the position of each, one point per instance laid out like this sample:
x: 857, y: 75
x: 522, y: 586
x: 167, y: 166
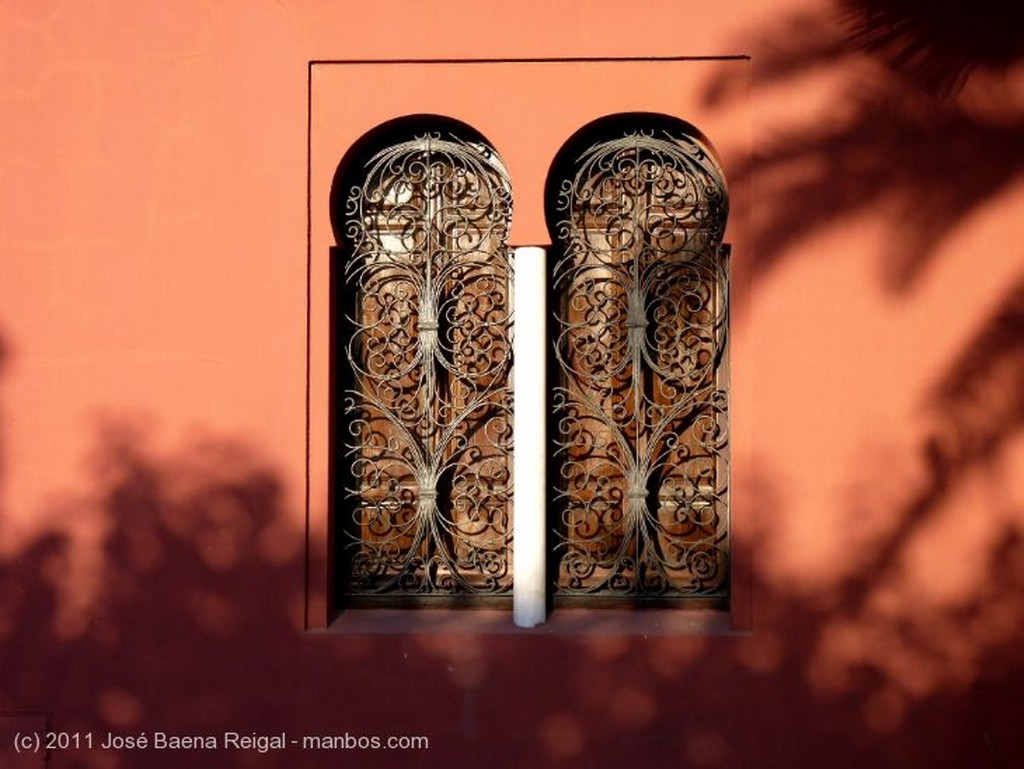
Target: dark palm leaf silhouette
x: 904, y: 142
x: 901, y: 138
x: 938, y: 43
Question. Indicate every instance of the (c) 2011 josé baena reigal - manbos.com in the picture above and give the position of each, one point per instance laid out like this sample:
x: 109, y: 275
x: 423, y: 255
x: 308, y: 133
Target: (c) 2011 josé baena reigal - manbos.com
x: 35, y: 742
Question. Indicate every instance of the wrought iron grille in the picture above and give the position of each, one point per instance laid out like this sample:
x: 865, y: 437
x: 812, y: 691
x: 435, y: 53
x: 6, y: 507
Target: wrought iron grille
x: 427, y: 425
x: 640, y: 344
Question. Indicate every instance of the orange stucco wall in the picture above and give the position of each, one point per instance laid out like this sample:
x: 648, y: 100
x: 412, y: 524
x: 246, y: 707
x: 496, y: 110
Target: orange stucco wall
x: 161, y: 563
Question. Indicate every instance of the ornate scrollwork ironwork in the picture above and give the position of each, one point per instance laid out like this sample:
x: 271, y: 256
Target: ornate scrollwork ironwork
x: 642, y: 407
x: 428, y: 415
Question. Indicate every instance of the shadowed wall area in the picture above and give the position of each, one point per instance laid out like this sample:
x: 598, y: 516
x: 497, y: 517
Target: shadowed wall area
x: 166, y: 599
x: 925, y: 121
x: 182, y: 619
x: 153, y: 577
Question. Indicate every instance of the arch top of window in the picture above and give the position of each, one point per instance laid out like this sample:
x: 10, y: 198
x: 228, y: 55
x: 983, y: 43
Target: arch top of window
x: 620, y: 157
x: 399, y: 159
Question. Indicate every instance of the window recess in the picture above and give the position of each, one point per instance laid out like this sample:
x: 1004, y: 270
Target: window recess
x: 640, y: 296
x: 423, y: 355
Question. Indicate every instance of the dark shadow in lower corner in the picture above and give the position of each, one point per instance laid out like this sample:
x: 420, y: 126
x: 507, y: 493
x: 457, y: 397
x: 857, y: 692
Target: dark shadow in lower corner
x: 160, y: 599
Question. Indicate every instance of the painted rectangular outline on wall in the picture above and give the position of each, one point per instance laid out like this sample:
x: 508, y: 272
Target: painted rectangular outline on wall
x: 316, y: 535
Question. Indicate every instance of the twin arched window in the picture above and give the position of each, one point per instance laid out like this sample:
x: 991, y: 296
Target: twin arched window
x: 422, y: 347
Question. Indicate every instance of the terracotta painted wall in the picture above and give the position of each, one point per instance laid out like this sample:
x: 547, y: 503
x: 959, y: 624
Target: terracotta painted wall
x: 153, y: 381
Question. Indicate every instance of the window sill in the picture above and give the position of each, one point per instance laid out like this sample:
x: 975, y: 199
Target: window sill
x: 562, y: 622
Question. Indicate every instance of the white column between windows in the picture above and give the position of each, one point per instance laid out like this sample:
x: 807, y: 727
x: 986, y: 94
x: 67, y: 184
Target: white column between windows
x: 529, y: 349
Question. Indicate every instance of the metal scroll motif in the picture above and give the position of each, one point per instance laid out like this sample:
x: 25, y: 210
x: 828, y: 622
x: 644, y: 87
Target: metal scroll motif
x: 642, y: 407
x: 429, y: 415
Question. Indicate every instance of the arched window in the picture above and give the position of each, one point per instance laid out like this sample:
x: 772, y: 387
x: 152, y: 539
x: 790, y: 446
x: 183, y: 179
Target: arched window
x: 637, y: 205
x: 421, y: 362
